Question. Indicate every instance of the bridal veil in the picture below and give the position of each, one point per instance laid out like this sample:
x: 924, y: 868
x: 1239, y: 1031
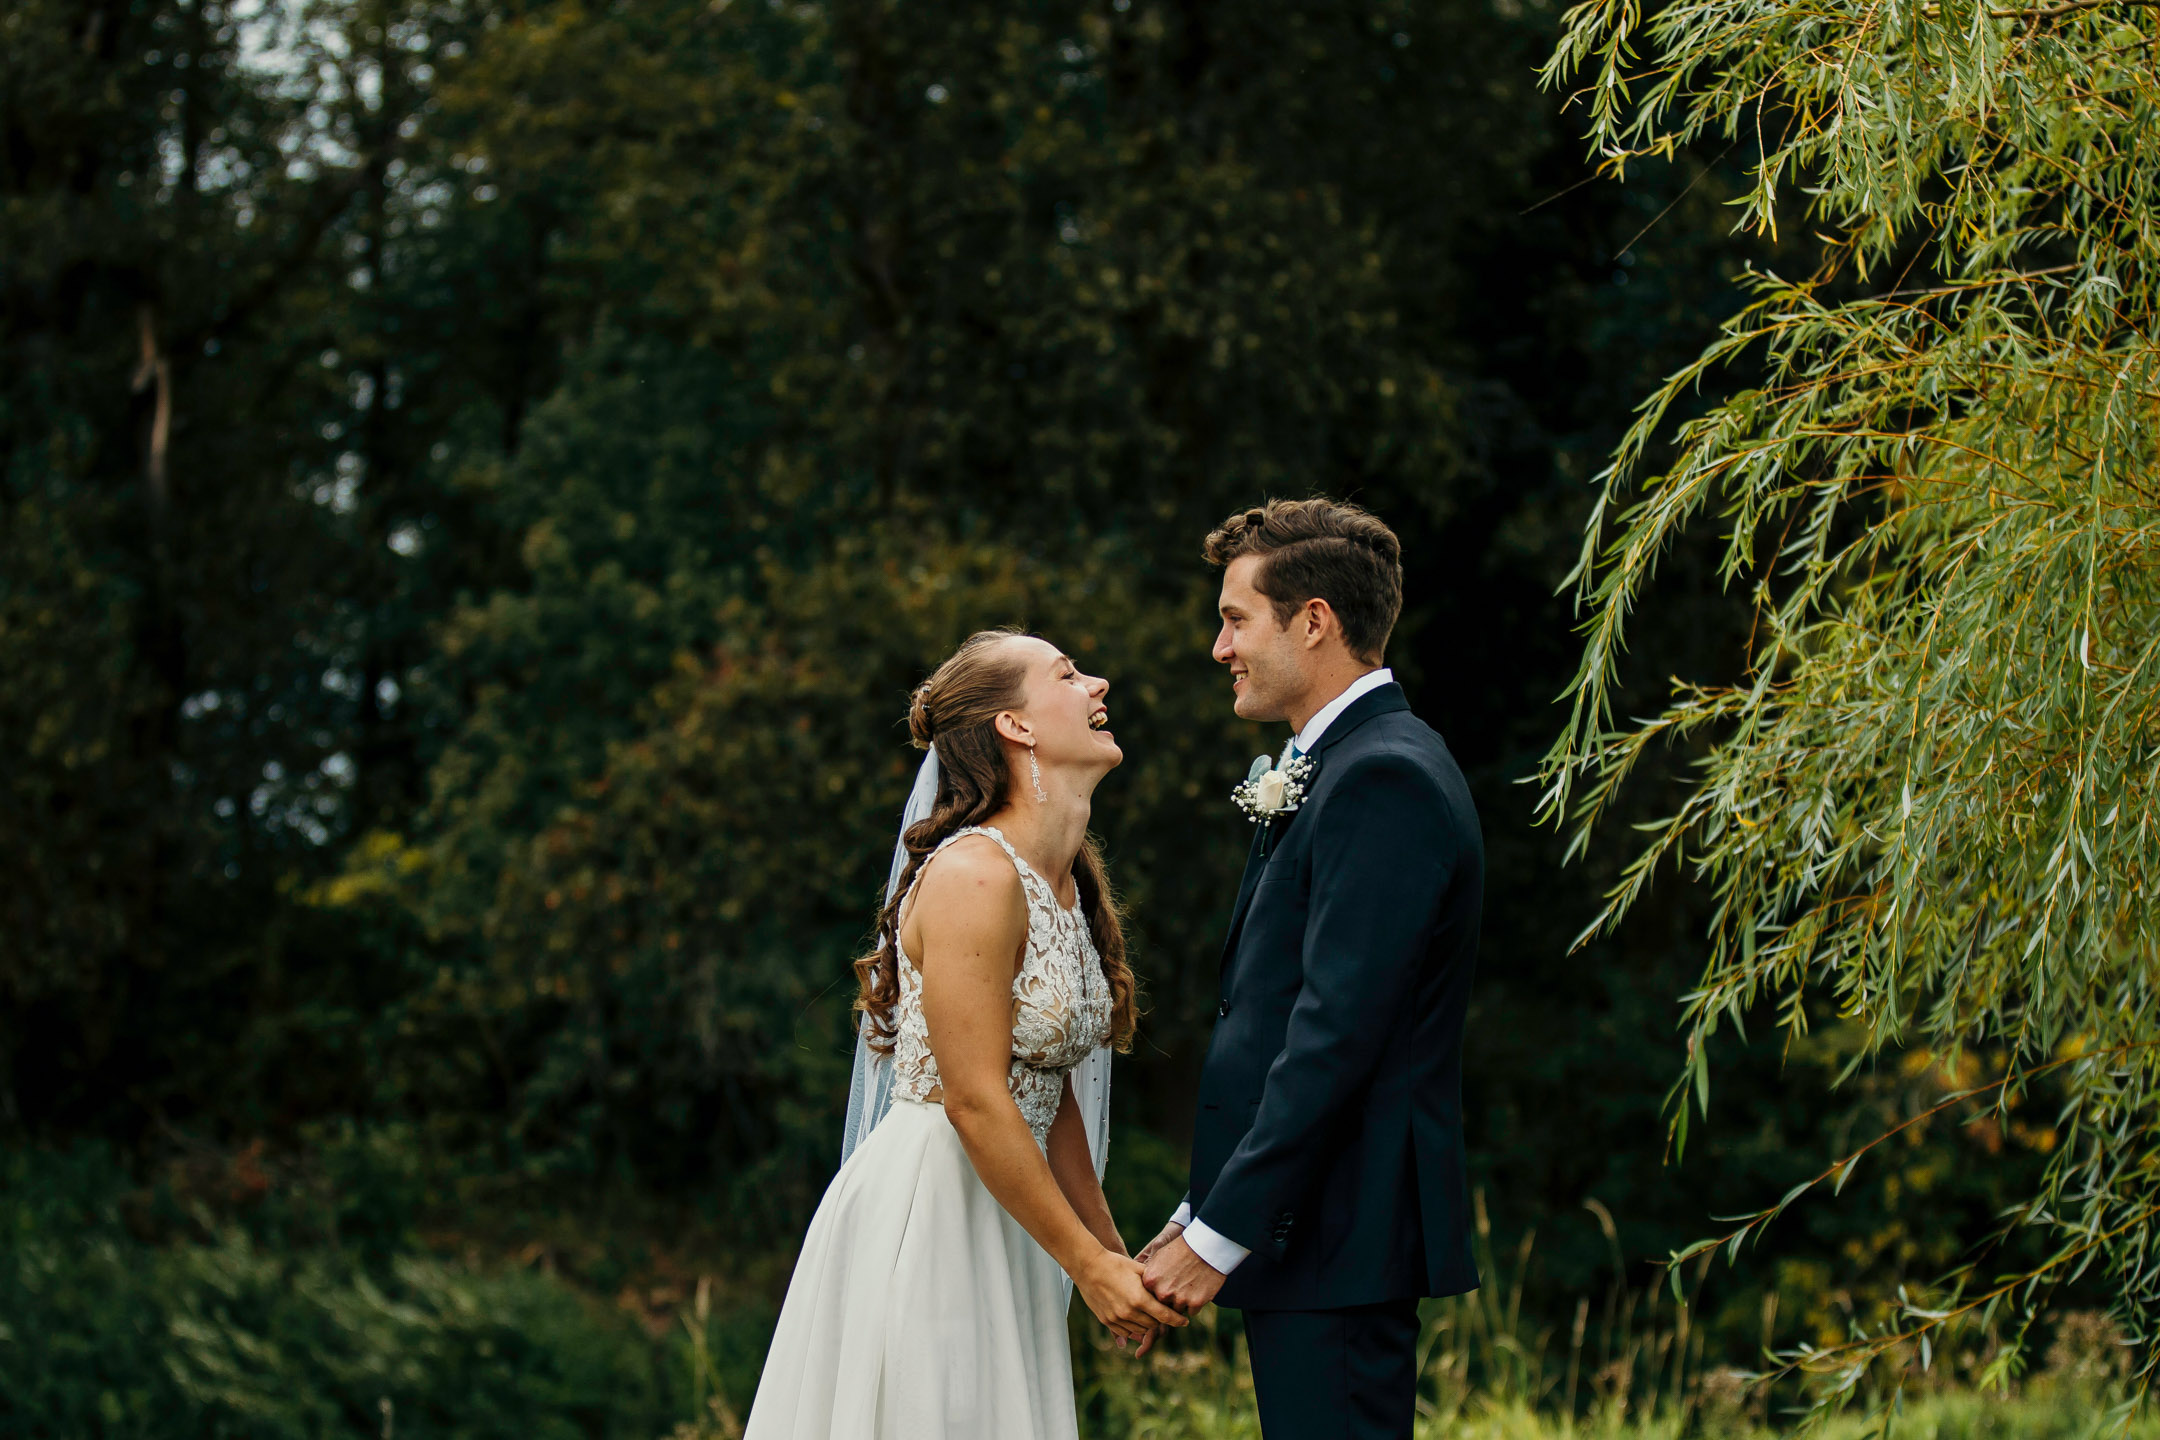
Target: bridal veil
x: 870, y: 1090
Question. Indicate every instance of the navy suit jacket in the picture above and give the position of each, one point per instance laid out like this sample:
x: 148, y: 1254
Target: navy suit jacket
x: 1329, y: 1136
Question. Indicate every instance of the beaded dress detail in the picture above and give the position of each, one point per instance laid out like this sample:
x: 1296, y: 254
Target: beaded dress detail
x: 1061, y: 1002
x: 919, y: 1309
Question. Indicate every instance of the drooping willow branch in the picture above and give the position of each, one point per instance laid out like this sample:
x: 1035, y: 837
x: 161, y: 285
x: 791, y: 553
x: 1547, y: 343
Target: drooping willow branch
x: 1841, y: 1169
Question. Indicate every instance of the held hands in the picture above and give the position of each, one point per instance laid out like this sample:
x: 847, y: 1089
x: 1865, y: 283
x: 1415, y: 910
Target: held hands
x: 1178, y: 1277
x: 1169, y: 1275
x: 1112, y: 1288
x: 1169, y: 1232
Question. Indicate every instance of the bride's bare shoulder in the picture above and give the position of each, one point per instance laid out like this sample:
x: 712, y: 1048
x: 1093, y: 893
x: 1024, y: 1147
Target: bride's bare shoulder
x: 970, y: 884
x: 972, y: 866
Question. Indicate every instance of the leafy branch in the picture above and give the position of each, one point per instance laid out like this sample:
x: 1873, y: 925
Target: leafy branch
x: 1930, y: 799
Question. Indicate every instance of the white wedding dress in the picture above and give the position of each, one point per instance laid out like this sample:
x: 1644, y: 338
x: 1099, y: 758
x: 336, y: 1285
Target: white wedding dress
x: 919, y: 1309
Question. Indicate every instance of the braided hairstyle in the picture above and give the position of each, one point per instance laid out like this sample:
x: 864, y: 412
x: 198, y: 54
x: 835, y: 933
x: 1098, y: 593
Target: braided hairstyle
x: 955, y: 712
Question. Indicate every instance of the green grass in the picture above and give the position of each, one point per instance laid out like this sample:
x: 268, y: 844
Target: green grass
x: 1489, y: 1371
x: 1200, y: 1388
x: 134, y: 1313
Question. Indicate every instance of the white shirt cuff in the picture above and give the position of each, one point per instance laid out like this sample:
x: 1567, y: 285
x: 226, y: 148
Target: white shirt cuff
x: 1183, y: 1216
x: 1219, y: 1251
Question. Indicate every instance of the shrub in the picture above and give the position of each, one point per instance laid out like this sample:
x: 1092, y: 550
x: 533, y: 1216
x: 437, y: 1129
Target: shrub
x: 105, y: 1334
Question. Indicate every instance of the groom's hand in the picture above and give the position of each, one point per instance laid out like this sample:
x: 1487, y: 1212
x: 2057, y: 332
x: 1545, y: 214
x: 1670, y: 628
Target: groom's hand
x: 1179, y: 1278
x: 1169, y: 1232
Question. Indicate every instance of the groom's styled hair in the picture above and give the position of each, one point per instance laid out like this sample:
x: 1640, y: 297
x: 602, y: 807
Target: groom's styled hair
x: 1320, y: 549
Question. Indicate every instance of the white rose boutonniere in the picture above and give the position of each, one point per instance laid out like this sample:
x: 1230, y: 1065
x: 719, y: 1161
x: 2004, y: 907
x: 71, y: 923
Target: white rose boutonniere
x: 1269, y: 791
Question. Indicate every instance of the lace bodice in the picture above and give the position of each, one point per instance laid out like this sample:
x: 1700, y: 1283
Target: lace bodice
x: 1061, y: 1003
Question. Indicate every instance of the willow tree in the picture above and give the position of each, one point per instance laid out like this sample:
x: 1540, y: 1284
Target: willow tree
x: 1928, y: 798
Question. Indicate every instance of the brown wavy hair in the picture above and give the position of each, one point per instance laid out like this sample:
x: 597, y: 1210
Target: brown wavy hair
x: 1331, y: 549
x: 954, y: 712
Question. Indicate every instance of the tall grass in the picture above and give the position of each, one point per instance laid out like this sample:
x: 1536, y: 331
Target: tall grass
x: 1629, y: 1364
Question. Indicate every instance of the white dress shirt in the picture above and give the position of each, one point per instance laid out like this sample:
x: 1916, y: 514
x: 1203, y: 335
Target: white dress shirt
x: 1219, y: 1250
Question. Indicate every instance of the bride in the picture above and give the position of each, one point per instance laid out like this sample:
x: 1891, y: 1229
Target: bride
x: 929, y: 1300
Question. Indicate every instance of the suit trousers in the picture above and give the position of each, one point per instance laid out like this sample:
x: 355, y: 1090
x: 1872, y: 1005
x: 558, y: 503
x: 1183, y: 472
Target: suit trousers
x: 1335, y: 1374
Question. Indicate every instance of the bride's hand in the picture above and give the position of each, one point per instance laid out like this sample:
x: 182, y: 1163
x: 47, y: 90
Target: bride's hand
x: 1111, y: 1286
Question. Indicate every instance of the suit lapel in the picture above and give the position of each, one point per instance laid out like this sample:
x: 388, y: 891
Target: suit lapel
x: 1383, y: 701
x: 1255, y: 867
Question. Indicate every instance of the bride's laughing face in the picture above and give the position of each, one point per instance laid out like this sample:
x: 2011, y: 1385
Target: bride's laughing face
x: 1066, y: 712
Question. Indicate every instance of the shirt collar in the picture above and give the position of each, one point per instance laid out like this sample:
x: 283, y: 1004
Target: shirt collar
x: 1364, y: 685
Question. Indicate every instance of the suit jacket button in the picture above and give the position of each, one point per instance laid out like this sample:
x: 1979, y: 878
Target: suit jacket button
x: 1222, y: 1009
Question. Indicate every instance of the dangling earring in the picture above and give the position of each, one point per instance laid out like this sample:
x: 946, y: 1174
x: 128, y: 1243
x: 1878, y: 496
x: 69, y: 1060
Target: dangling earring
x: 1035, y: 774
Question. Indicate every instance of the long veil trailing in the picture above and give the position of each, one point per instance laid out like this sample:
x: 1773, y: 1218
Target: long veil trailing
x: 870, y: 1090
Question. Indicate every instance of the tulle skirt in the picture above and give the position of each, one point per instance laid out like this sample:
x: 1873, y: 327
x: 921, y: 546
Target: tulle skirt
x: 919, y: 1310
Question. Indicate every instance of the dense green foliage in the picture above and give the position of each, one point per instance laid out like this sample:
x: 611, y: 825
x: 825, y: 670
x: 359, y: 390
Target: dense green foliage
x: 480, y: 479
x: 125, y: 1311
x: 1929, y: 795
x: 216, y: 1333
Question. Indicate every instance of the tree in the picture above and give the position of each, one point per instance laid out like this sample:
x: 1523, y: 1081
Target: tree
x: 227, y: 362
x: 1061, y: 279
x: 566, y: 386
x: 1929, y: 800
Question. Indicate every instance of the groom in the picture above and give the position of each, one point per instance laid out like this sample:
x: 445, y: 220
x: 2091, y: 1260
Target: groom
x: 1327, y: 1189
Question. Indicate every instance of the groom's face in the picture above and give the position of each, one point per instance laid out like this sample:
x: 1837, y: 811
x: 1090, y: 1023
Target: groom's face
x: 1267, y: 664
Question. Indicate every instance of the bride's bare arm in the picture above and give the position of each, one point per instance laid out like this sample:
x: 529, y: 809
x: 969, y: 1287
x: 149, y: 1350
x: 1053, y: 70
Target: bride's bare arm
x: 1074, y: 1166
x: 970, y: 916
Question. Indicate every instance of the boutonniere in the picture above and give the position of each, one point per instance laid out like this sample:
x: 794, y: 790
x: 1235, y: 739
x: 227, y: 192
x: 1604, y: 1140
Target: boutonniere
x: 1269, y: 791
